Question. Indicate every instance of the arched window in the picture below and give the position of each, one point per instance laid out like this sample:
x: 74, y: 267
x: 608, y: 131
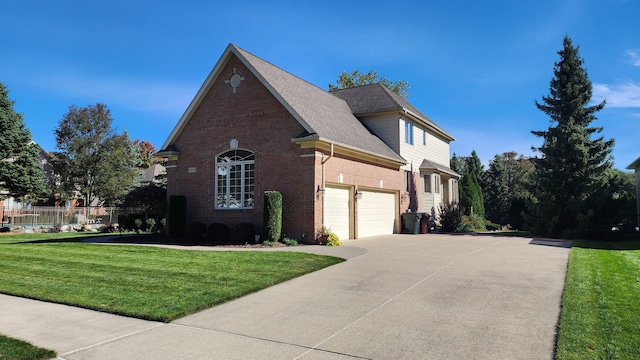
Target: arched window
x: 234, y: 180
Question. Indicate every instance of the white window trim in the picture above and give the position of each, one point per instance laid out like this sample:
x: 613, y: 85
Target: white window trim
x: 408, y: 132
x: 427, y: 182
x: 227, y: 165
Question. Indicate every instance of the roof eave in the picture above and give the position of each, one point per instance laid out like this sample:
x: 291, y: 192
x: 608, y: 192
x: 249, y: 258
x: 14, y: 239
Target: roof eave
x: 635, y: 165
x: 315, y: 141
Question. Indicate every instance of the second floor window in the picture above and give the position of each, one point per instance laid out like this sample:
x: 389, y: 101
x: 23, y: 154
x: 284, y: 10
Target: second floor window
x: 408, y: 132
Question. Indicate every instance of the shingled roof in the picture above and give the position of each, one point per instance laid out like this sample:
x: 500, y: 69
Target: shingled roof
x: 377, y: 98
x: 324, y: 117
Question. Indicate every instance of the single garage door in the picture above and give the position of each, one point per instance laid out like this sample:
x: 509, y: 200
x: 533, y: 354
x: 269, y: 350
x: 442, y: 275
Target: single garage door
x: 336, y: 211
x: 376, y: 213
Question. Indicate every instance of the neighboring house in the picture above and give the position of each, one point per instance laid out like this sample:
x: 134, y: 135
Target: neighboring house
x: 150, y: 174
x: 45, y: 160
x: 352, y: 160
x: 636, y: 167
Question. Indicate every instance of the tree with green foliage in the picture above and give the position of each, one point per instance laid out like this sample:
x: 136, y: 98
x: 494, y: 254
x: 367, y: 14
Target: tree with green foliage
x: 457, y: 164
x: 145, y: 151
x: 21, y: 174
x: 355, y: 78
x: 471, y: 198
x: 573, y: 165
x: 474, y: 165
x: 93, y: 159
x: 506, y: 184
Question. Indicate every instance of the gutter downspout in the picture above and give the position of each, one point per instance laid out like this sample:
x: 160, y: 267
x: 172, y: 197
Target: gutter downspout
x: 323, y: 178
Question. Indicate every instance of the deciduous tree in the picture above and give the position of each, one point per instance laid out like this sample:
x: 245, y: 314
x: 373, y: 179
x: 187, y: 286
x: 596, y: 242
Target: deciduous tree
x: 145, y: 151
x: 574, y: 162
x: 21, y: 174
x: 93, y: 159
x: 355, y: 78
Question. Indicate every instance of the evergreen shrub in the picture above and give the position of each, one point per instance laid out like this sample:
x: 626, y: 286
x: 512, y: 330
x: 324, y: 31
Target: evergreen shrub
x: 218, y: 232
x: 450, y: 217
x: 272, y: 215
x: 177, y: 216
x: 197, y: 230
x: 243, y: 233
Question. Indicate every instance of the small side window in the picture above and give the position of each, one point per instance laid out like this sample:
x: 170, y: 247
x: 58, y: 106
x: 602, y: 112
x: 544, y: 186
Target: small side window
x: 427, y: 183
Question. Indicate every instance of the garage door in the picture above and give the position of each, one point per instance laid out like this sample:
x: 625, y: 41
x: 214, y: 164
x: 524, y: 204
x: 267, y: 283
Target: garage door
x: 376, y: 213
x: 336, y: 211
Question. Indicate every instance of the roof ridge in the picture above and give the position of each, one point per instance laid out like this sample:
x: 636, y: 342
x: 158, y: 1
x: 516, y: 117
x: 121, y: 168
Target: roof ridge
x: 276, y: 66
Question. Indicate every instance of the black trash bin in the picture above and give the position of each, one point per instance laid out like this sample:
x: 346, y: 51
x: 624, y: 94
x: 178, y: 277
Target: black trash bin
x: 411, y: 223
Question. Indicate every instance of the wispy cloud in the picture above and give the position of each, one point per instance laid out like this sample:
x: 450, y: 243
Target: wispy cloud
x: 635, y: 57
x: 137, y: 95
x: 625, y: 95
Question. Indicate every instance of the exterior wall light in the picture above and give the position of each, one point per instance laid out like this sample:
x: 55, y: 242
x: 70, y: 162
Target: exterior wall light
x: 358, y: 194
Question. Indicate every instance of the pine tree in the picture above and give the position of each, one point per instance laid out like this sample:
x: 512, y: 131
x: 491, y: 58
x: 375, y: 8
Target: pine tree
x: 573, y: 165
x: 21, y: 174
x: 471, y: 199
x: 457, y: 164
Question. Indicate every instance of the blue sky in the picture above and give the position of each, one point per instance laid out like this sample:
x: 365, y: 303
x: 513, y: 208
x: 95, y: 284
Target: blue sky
x: 475, y: 67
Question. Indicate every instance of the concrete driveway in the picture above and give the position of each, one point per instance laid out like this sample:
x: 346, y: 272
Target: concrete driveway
x: 397, y: 297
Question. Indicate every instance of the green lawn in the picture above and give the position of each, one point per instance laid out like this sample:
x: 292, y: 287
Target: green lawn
x: 145, y: 282
x: 12, y: 349
x: 601, y: 302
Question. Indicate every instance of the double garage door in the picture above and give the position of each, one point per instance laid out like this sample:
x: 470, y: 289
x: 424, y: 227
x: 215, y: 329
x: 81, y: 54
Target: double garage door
x: 376, y: 212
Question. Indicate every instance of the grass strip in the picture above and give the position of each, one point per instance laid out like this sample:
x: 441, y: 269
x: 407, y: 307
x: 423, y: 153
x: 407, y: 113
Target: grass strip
x: 601, y: 308
x: 14, y: 349
x: 145, y: 282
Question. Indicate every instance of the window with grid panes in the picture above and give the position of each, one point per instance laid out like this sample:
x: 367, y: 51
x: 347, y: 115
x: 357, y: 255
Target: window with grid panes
x: 235, y: 180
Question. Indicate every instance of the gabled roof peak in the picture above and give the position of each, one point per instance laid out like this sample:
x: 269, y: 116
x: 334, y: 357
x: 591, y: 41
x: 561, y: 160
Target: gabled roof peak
x: 317, y: 111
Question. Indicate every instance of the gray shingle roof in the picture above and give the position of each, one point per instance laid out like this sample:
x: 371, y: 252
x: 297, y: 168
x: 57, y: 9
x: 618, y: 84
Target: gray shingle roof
x: 430, y: 165
x: 318, y: 111
x: 376, y: 98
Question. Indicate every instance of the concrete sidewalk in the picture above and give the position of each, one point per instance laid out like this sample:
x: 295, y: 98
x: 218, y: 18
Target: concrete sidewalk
x: 398, y: 297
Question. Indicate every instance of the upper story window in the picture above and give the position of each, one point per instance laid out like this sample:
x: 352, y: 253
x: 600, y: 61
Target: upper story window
x: 424, y: 137
x: 235, y: 180
x: 408, y: 132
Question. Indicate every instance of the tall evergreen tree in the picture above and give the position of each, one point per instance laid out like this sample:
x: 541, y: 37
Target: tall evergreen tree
x: 21, y: 174
x: 573, y: 164
x: 474, y: 165
x: 471, y: 199
x: 457, y: 164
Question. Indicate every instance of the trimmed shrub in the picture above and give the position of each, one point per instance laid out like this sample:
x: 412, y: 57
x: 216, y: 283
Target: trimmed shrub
x: 290, y: 242
x: 151, y: 224
x: 218, y: 232
x: 197, y: 230
x: 177, y: 216
x: 272, y: 215
x: 450, y: 217
x: 243, y: 233
x: 333, y: 240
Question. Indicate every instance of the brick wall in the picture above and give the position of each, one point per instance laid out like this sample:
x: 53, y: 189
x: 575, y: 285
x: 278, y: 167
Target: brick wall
x: 260, y: 124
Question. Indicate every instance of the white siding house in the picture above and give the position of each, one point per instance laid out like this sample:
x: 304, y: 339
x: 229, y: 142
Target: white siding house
x: 416, y: 138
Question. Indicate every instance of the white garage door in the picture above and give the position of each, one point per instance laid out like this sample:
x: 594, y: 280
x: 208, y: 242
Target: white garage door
x: 376, y: 213
x: 336, y: 211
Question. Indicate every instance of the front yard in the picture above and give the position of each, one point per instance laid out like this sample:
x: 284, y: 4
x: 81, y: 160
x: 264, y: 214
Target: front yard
x: 139, y: 281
